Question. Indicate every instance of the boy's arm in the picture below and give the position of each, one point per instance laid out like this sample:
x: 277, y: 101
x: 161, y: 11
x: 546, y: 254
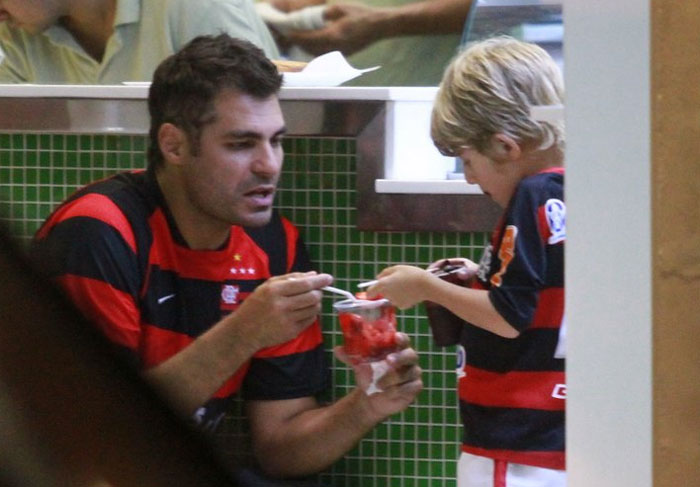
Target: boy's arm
x: 472, y: 305
x: 406, y: 286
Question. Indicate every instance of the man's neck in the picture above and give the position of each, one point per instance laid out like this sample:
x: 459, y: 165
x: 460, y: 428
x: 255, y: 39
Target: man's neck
x: 200, y: 232
x: 91, y: 23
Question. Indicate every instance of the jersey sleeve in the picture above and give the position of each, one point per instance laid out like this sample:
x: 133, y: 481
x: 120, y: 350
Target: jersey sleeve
x: 525, y: 260
x: 87, y: 247
x: 299, y: 367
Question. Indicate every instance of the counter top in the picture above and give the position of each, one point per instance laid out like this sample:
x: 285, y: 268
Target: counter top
x: 139, y: 91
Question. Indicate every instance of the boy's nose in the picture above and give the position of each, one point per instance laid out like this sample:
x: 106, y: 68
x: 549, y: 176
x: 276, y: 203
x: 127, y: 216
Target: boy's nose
x: 469, y: 177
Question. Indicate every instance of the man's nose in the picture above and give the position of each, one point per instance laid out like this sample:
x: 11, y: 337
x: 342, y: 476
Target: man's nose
x: 268, y: 159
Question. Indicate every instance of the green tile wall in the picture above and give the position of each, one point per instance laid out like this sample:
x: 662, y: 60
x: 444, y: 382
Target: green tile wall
x: 416, y: 448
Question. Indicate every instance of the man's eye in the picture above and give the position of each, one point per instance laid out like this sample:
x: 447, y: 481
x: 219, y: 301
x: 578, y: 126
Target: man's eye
x: 240, y: 145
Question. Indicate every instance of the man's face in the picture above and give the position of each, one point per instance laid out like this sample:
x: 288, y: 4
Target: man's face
x: 233, y: 177
x: 33, y: 16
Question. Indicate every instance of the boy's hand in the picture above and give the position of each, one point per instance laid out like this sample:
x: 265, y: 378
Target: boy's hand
x: 403, y: 285
x: 467, y: 272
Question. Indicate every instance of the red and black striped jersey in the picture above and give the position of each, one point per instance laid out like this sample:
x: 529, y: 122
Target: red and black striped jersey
x: 512, y: 391
x: 115, y: 249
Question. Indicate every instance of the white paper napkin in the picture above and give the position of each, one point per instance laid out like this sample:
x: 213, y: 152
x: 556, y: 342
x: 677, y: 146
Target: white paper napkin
x: 330, y: 69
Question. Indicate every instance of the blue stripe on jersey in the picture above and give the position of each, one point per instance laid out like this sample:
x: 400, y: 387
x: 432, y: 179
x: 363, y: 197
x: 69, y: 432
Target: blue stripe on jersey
x: 519, y: 429
x: 182, y: 305
x: 267, y: 377
x: 488, y: 351
x: 92, y: 255
x: 554, y: 274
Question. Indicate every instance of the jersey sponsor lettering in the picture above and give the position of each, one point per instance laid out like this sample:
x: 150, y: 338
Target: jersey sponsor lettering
x: 559, y: 391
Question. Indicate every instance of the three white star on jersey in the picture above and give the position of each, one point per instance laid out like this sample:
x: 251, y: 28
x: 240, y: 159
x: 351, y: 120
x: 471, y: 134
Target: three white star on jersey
x: 241, y: 270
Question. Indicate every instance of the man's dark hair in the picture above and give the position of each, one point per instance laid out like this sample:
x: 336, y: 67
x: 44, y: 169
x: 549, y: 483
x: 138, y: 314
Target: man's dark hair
x: 186, y: 84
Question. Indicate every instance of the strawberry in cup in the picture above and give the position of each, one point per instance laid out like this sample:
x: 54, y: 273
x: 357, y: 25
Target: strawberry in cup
x: 369, y: 328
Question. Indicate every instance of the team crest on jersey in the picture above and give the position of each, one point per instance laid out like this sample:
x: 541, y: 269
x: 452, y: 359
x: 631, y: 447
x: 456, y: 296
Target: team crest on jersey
x: 229, y: 294
x: 555, y: 212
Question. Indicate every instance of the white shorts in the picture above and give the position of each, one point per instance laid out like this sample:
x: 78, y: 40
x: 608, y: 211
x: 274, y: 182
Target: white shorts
x: 475, y: 471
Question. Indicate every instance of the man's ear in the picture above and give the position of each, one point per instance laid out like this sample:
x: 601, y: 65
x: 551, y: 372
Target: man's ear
x: 173, y: 143
x: 505, y: 147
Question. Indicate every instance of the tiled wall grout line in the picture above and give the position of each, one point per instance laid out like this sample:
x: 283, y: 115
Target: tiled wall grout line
x: 317, y: 191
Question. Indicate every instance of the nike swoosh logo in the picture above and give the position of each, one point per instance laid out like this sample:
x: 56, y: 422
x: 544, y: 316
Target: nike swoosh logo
x: 165, y: 298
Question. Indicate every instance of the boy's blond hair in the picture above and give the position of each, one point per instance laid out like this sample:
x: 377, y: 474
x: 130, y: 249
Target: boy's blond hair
x: 490, y: 88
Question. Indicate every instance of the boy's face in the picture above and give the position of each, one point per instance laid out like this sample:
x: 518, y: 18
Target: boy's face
x: 33, y: 16
x: 497, y: 179
x: 232, y: 178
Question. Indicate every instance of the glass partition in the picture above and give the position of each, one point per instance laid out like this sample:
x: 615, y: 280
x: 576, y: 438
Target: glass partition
x: 420, y: 60
x: 538, y: 21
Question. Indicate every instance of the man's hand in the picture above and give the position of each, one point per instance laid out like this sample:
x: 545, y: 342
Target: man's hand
x: 282, y: 307
x: 399, y: 385
x: 289, y: 5
x: 349, y: 28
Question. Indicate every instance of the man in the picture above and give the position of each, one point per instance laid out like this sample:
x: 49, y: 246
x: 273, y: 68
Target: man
x: 110, y: 41
x: 161, y: 261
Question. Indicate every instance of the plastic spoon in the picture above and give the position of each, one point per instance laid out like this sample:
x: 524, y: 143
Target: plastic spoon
x: 342, y: 292
x: 439, y: 272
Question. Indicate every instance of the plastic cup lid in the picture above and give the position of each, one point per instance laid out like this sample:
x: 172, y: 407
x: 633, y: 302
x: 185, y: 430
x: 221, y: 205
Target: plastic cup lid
x: 354, y: 304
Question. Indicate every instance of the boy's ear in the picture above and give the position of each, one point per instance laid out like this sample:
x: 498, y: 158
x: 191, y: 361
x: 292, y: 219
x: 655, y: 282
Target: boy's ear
x: 172, y: 142
x: 504, y: 147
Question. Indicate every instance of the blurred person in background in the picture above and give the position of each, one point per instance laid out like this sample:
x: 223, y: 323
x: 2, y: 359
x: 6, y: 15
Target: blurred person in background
x: 111, y: 41
x: 412, y: 41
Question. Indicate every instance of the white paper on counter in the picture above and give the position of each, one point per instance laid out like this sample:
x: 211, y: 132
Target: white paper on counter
x: 330, y: 69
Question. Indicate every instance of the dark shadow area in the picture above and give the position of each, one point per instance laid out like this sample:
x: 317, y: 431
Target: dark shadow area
x: 71, y: 411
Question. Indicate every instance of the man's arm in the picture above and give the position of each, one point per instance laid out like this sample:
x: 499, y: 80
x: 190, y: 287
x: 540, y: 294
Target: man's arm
x: 92, y: 259
x: 351, y: 27
x: 275, y: 312
x: 298, y: 437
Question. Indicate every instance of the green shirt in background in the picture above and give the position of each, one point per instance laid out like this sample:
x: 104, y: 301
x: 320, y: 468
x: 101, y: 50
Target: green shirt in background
x: 145, y: 33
